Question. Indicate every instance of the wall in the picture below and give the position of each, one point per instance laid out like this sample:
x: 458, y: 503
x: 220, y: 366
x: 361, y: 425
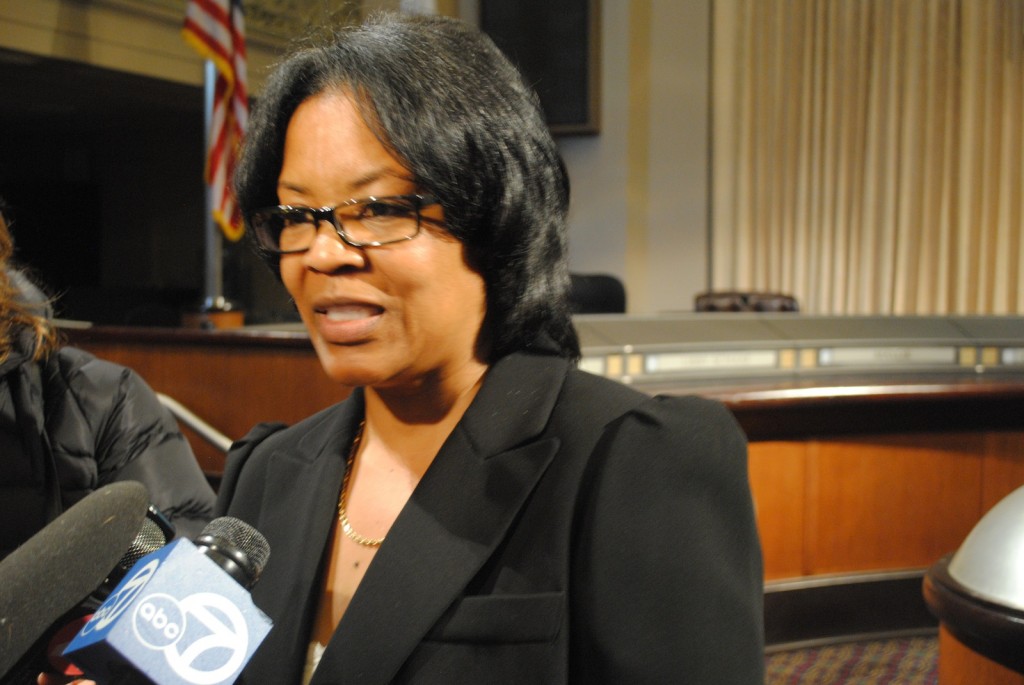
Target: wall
x: 639, y: 187
x: 138, y: 36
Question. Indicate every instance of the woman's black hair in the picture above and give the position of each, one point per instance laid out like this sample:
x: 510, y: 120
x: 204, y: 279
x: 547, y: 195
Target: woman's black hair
x: 448, y: 104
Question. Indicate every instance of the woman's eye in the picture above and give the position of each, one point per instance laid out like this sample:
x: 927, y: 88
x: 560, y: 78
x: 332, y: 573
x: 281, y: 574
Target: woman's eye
x: 383, y: 210
x: 297, y: 219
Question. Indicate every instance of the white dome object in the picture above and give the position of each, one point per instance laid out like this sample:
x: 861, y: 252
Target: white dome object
x: 990, y: 562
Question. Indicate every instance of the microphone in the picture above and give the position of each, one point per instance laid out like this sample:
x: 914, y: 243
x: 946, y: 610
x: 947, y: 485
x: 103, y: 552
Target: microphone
x: 182, y: 615
x: 47, y: 653
x: 52, y: 572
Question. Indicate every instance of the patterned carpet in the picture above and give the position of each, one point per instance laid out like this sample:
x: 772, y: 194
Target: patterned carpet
x: 902, y: 661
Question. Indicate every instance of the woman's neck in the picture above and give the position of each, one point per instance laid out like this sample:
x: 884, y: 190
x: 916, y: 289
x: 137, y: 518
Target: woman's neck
x: 417, y: 421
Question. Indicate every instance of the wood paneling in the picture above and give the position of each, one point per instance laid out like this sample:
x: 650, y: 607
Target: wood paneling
x: 1003, y: 467
x: 876, y: 502
x: 960, y: 665
x: 891, y: 502
x: 778, y: 482
x: 868, y: 498
x: 230, y: 387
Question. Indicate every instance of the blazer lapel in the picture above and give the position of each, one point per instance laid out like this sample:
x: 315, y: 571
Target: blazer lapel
x: 307, y: 475
x: 458, y: 514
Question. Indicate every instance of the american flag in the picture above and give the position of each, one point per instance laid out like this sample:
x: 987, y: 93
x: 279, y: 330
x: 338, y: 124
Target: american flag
x: 216, y: 29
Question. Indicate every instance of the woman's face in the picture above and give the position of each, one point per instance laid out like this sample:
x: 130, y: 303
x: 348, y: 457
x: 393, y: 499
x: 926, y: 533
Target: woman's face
x: 397, y: 315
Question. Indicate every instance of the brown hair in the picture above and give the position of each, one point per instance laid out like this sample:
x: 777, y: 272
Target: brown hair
x: 15, y: 314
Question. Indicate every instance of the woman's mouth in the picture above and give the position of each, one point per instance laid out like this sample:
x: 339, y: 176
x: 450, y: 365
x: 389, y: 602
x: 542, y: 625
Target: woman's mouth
x: 352, y: 312
x: 349, y: 323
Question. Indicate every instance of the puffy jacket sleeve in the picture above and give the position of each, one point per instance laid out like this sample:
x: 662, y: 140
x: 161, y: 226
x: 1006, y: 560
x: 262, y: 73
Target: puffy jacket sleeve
x: 106, y: 424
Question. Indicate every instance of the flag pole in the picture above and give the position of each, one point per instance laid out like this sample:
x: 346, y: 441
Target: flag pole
x: 213, y: 277
x: 215, y: 310
x: 215, y: 28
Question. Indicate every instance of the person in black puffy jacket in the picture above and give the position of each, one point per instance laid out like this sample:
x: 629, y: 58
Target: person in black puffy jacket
x: 71, y: 423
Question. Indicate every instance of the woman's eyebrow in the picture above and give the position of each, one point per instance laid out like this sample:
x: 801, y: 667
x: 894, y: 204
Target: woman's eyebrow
x: 359, y: 183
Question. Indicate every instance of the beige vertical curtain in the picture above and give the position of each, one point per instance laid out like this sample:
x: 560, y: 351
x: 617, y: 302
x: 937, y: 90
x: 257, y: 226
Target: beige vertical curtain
x: 868, y: 155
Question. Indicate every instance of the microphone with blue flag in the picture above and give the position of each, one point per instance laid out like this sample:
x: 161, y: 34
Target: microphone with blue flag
x: 183, y: 615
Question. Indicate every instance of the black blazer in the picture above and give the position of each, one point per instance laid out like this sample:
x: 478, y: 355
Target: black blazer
x: 570, y: 530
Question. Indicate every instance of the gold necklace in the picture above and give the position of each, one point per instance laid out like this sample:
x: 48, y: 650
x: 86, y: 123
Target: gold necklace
x: 342, y: 516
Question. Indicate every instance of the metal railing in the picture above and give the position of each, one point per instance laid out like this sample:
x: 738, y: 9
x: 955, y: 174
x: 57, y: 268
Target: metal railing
x: 190, y: 419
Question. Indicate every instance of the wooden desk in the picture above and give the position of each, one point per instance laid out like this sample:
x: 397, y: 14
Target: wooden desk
x: 872, y: 473
x: 231, y: 379
x: 849, y: 474
x: 852, y: 476
x: 961, y: 665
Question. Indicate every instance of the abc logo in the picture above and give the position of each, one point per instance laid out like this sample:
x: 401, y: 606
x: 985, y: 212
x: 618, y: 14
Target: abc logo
x: 158, y: 621
x: 203, y: 637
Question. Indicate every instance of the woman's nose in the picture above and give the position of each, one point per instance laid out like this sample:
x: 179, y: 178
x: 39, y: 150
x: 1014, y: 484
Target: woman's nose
x: 329, y: 252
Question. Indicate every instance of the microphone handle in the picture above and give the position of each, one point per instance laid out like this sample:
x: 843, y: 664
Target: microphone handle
x: 44, y: 656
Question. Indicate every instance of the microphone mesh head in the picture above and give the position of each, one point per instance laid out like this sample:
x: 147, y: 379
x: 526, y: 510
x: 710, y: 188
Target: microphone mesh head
x: 149, y: 539
x: 244, y: 537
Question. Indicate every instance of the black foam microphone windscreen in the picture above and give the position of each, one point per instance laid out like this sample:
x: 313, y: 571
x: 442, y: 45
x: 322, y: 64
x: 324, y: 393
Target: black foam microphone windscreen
x: 59, y: 566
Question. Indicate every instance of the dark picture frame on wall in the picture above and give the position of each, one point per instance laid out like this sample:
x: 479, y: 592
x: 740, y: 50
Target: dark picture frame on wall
x: 556, y: 44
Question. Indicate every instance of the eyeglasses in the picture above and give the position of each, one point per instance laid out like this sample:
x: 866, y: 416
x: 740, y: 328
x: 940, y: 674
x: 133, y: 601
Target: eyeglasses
x: 366, y: 222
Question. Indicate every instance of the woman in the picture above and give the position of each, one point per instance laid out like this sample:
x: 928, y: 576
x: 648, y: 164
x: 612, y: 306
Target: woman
x: 478, y: 510
x: 71, y: 423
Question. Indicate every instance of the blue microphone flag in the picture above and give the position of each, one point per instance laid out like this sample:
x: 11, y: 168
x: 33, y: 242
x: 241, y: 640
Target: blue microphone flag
x: 176, y: 618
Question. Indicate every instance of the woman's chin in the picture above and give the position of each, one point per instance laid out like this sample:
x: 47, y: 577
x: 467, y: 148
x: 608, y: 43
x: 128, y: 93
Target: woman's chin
x: 345, y: 367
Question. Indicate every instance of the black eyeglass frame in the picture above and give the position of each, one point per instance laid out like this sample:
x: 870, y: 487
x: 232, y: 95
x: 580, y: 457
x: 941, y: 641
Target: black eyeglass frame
x: 321, y: 214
